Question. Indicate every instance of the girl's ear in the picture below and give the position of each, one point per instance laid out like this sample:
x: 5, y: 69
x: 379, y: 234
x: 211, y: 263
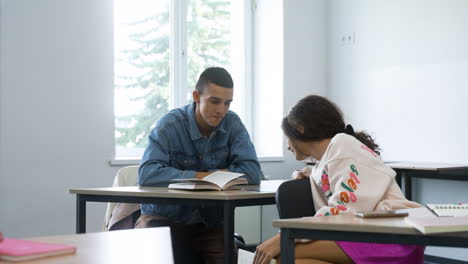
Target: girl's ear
x: 300, y: 129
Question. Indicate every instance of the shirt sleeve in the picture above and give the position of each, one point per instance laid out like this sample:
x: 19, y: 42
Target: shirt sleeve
x: 354, y: 186
x: 154, y: 168
x: 243, y: 158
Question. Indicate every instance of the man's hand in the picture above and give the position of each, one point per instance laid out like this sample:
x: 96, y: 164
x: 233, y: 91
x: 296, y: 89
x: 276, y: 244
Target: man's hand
x: 267, y: 250
x: 201, y: 175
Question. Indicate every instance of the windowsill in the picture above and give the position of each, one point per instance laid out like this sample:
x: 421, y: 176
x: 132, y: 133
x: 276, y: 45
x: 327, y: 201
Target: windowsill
x: 124, y: 162
x: 128, y: 162
x: 270, y: 159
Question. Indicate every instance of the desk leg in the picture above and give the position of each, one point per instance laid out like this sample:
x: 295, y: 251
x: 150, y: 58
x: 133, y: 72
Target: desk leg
x: 287, y: 247
x: 228, y: 233
x: 398, y: 177
x: 80, y: 215
x: 408, y: 186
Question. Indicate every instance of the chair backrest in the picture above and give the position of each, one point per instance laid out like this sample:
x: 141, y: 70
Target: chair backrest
x: 122, y: 215
x: 294, y: 199
x: 126, y: 176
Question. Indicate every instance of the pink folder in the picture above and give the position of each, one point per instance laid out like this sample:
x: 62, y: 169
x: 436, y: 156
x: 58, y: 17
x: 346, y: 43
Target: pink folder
x: 20, y: 250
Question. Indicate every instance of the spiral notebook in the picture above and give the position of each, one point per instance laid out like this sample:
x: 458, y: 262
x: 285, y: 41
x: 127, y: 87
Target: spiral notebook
x: 455, y: 209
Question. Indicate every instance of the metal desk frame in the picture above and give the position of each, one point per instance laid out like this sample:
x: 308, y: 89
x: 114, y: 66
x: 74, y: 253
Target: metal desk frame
x: 425, y: 170
x: 228, y: 204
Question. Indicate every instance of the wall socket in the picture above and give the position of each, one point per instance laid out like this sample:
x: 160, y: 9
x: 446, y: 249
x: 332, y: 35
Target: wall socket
x: 348, y: 39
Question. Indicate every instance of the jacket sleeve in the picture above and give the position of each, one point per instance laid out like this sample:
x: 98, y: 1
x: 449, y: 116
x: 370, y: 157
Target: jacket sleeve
x: 154, y: 168
x: 353, y: 186
x: 242, y: 157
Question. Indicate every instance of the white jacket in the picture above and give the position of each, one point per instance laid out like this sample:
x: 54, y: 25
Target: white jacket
x: 351, y: 177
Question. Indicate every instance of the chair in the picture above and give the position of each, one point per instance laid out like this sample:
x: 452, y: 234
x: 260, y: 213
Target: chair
x: 294, y: 199
x: 123, y: 215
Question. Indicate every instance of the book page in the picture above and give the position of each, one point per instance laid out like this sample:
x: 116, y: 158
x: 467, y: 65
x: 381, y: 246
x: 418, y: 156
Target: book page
x: 221, y: 178
x: 247, y: 257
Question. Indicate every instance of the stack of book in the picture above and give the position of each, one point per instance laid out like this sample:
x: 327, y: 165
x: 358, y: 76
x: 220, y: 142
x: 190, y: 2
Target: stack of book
x: 448, y: 218
x: 428, y: 225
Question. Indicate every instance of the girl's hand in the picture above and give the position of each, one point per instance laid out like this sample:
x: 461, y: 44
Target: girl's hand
x: 267, y: 250
x: 302, y: 174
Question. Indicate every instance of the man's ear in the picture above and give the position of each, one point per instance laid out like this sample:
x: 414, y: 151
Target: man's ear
x: 196, y: 96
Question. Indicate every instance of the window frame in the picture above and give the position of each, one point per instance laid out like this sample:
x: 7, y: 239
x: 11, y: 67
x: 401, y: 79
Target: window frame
x: 179, y: 65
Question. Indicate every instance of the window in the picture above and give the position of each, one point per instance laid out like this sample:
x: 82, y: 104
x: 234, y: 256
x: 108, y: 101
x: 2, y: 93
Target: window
x: 268, y: 81
x: 161, y: 47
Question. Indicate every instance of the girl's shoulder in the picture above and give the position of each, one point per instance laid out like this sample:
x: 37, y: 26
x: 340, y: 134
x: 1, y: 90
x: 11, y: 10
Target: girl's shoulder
x: 345, y: 146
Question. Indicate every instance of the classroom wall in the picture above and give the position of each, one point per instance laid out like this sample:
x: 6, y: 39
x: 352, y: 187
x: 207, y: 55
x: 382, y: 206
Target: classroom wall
x: 404, y: 78
x: 56, y: 115
x: 304, y: 73
x: 56, y: 107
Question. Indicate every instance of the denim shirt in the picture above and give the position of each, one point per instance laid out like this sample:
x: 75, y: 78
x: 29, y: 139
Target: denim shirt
x: 178, y: 150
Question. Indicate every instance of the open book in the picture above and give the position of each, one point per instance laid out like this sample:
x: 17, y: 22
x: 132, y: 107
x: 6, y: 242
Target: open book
x: 247, y: 257
x: 459, y: 209
x: 429, y: 225
x: 219, y: 180
x: 21, y: 250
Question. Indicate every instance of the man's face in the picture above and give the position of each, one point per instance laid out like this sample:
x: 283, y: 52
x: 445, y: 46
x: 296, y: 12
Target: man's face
x: 212, y: 104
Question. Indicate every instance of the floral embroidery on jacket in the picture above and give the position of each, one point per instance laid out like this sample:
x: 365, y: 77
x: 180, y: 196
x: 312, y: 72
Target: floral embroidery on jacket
x: 325, y: 184
x: 349, y: 185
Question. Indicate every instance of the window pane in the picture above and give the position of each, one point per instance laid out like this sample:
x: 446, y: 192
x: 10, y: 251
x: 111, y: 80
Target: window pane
x: 142, y: 71
x: 268, y: 82
x: 214, y: 28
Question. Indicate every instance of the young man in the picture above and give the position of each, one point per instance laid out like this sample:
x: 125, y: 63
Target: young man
x: 194, y: 141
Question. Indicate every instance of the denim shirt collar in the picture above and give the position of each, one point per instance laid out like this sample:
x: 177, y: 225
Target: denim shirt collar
x: 194, y: 130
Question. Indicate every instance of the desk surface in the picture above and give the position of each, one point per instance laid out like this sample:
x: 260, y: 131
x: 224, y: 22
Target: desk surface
x: 149, y: 245
x: 266, y: 189
x: 344, y: 223
x: 425, y: 166
x: 351, y: 228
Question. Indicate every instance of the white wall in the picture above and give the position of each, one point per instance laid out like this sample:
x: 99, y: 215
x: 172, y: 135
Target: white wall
x: 404, y: 78
x: 56, y: 112
x: 56, y: 106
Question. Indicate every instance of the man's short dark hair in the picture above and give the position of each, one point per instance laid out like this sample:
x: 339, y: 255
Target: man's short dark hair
x: 216, y: 75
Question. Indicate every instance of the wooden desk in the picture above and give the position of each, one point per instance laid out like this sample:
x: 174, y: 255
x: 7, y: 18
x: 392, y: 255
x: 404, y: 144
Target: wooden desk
x: 406, y: 171
x: 152, y: 246
x: 350, y: 228
x: 229, y: 200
